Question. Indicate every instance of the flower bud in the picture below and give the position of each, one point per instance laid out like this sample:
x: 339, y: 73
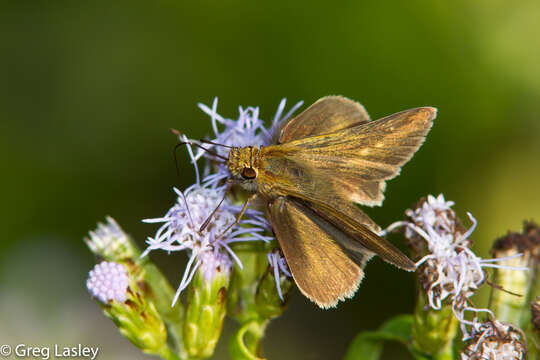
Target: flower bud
x: 244, y: 283
x: 522, y: 250
x: 122, y: 301
x: 111, y: 243
x: 206, y: 304
x: 274, y: 286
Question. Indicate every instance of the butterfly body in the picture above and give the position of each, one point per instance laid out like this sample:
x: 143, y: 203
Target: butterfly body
x: 325, y: 160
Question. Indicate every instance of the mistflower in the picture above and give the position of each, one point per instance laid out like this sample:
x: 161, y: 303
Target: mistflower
x: 108, y: 281
x: 495, y: 340
x: 279, y: 266
x: 450, y: 270
x: 125, y: 304
x: 247, y: 130
x: 110, y: 242
x: 182, y: 224
x: 435, y: 213
x: 214, y: 263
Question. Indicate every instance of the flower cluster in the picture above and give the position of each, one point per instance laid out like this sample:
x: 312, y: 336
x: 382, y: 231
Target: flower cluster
x: 247, y: 130
x: 495, y: 340
x: 432, y: 213
x: 450, y: 272
x: 110, y: 242
x: 203, y: 221
x: 209, y: 247
x: 108, y: 281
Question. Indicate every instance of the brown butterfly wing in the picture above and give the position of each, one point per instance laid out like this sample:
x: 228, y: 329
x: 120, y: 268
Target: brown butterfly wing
x: 280, y: 177
x: 322, y: 269
x: 355, y: 162
x: 326, y: 115
x: 360, y: 237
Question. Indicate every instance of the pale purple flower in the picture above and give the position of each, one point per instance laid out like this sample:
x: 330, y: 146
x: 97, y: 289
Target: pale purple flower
x: 108, y: 281
x: 279, y: 266
x: 109, y: 241
x: 247, y: 130
x: 182, y: 223
x: 213, y: 263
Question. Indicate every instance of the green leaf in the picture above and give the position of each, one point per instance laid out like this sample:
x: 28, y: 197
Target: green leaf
x: 368, y: 345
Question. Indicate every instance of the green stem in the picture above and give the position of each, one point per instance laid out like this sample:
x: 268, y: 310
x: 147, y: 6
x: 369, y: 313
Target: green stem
x: 246, y: 343
x: 434, y: 330
x: 167, y: 354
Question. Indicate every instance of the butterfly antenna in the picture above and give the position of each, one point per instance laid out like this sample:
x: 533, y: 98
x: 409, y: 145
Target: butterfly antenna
x: 195, y: 143
x: 215, y: 144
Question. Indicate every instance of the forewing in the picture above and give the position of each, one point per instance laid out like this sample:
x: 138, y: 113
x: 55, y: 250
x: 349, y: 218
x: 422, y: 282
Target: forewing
x: 321, y: 268
x: 356, y: 161
x: 326, y: 115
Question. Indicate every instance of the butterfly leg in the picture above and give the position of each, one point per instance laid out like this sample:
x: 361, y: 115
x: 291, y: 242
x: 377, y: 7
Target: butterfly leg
x: 207, y: 221
x: 239, y: 217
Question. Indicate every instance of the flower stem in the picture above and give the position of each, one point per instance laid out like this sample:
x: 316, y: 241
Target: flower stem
x: 246, y: 343
x: 167, y: 354
x: 434, y: 330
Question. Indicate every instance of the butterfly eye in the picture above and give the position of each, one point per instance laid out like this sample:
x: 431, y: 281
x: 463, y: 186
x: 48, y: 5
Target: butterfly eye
x: 249, y: 173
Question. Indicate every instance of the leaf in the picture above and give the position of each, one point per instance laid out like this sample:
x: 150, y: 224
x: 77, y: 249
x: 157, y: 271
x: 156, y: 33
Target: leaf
x: 368, y: 345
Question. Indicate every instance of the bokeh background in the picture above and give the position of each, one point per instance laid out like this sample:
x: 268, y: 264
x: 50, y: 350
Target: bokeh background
x: 89, y: 90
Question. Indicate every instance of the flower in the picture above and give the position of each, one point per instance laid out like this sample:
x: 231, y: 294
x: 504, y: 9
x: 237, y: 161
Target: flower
x: 182, y: 228
x: 435, y: 213
x: 108, y: 281
x: 110, y: 242
x: 279, y: 266
x: 450, y: 270
x: 495, y: 340
x: 247, y: 130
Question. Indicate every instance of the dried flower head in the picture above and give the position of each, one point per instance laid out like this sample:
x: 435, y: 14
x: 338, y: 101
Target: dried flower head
x: 108, y: 281
x: 435, y: 213
x: 451, y: 269
x: 526, y: 243
x: 450, y: 272
x: 494, y: 340
x: 505, y: 304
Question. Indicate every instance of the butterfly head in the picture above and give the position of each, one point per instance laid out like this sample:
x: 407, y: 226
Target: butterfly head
x: 242, y: 166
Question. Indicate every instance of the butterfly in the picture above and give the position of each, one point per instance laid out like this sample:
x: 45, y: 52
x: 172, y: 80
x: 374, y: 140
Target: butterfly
x: 322, y: 162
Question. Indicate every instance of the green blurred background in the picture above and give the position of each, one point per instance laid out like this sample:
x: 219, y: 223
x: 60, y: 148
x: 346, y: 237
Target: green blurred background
x: 89, y: 90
